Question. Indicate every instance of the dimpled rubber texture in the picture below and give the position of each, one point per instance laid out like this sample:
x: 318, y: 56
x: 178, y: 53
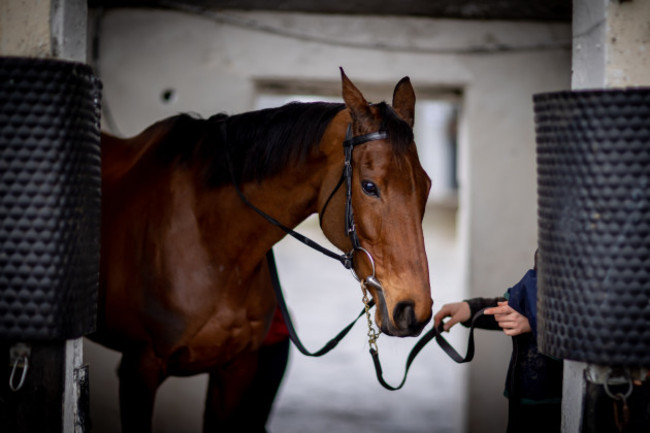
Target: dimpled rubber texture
x: 593, y: 167
x: 50, y: 178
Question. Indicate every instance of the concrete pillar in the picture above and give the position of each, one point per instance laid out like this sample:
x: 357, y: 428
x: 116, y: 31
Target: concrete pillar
x: 47, y: 29
x: 611, y: 43
x: 611, y: 48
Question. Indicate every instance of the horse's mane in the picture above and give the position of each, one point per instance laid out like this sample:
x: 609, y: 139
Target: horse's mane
x: 259, y: 143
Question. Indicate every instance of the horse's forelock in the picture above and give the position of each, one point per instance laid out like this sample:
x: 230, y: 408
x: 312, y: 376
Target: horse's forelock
x: 399, y: 132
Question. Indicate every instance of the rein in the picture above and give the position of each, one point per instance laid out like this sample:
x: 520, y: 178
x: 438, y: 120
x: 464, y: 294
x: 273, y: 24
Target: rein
x: 270, y: 259
x: 435, y: 332
x: 346, y: 260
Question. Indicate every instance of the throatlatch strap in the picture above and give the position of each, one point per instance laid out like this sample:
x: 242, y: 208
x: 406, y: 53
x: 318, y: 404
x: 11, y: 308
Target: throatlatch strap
x: 270, y: 259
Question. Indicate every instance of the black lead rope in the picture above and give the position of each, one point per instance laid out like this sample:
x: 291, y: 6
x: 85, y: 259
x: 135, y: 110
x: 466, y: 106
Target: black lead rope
x: 433, y: 333
x: 442, y: 342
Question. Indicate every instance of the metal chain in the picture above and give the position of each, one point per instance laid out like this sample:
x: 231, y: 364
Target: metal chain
x: 373, y: 334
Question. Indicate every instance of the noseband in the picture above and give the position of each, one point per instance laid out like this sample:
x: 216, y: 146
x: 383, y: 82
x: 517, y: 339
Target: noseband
x: 346, y: 260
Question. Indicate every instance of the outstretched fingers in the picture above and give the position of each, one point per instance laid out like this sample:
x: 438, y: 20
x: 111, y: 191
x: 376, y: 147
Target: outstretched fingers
x: 510, y: 320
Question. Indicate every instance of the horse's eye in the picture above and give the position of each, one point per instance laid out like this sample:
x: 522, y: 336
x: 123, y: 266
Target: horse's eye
x: 370, y: 188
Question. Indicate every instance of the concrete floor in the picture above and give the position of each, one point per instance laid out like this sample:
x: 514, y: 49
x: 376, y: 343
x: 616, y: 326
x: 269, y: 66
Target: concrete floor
x: 339, y: 391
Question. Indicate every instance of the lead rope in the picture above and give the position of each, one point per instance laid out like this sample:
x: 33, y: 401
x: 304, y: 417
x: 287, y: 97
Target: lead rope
x: 372, y: 333
x: 444, y: 345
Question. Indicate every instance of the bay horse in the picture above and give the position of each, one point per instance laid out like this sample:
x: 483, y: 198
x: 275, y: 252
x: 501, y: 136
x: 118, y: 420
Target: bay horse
x: 184, y: 284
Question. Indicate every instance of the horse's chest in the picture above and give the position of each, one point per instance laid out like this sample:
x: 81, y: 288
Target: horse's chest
x: 225, y: 336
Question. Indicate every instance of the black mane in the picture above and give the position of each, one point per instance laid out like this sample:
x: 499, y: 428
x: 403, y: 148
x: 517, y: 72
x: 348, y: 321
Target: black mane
x: 260, y: 143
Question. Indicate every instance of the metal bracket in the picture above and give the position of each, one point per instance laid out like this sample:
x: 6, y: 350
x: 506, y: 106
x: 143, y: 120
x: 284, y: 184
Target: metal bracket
x: 606, y: 375
x: 18, y: 359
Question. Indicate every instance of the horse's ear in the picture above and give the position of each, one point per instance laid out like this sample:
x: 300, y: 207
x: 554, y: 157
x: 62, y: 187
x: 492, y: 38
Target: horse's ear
x: 404, y: 100
x: 354, y: 100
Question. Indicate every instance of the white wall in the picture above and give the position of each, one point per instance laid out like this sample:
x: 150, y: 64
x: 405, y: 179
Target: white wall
x: 212, y: 65
x: 499, y: 198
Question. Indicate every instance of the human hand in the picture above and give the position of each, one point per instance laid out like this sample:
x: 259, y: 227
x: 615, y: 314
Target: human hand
x: 512, y: 322
x: 457, y: 311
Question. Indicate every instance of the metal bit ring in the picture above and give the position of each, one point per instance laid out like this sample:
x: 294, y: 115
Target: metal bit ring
x: 372, y: 262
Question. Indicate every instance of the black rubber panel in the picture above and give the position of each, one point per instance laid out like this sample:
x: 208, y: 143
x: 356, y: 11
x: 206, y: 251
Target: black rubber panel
x: 50, y: 179
x: 593, y: 167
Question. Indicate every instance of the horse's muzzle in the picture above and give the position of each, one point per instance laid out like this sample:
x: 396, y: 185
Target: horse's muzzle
x: 404, y: 322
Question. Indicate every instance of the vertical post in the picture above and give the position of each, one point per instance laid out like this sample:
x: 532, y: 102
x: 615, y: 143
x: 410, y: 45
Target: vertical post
x: 611, y: 48
x: 53, y: 29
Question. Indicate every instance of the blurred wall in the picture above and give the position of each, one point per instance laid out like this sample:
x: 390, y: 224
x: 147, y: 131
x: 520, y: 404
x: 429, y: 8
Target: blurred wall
x: 159, y: 63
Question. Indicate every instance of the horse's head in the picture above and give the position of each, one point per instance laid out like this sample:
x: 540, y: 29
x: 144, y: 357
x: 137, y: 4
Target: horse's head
x: 388, y: 190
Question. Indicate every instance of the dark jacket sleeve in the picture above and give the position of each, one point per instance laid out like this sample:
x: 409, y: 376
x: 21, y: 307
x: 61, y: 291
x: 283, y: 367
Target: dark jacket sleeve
x: 482, y: 322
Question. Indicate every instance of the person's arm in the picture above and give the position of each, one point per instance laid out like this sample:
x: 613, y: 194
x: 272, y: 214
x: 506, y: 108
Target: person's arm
x: 463, y: 312
x: 484, y: 321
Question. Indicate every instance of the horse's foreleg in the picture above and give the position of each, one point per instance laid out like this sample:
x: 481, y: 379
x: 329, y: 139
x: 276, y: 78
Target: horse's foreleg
x: 140, y: 373
x: 226, y: 389
x: 256, y: 406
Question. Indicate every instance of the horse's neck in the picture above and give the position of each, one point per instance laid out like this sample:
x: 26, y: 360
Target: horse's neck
x: 288, y: 198
x: 222, y: 218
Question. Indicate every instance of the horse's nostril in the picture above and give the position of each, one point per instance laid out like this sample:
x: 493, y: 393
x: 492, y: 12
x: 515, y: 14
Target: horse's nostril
x: 404, y: 315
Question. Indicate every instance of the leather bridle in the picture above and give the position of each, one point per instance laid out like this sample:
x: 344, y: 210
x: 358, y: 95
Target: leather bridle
x: 347, y: 260
x: 349, y: 144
